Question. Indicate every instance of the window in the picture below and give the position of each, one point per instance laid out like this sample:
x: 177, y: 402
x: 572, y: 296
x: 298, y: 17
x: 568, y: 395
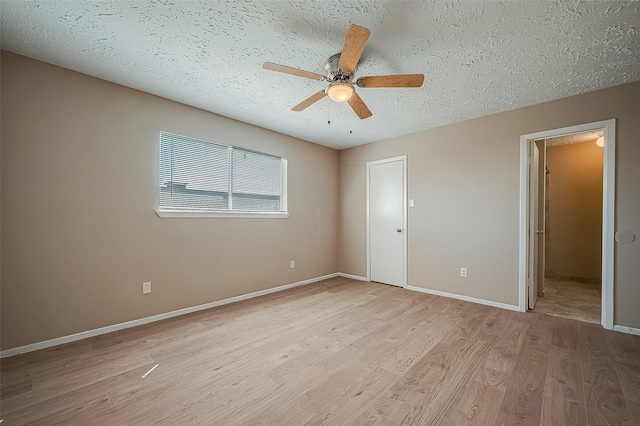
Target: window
x: 205, y: 179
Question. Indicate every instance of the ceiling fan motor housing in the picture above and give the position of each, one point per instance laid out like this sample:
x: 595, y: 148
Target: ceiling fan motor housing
x: 333, y: 71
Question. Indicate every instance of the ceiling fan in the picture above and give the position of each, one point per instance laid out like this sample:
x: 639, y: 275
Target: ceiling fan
x: 340, y: 73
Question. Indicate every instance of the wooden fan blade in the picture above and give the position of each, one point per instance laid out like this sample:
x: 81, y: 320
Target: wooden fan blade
x: 309, y: 101
x: 402, y: 80
x: 292, y: 71
x: 359, y: 107
x: 353, y: 46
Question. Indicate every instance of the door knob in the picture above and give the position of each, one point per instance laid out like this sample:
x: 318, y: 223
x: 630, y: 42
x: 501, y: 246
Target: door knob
x: 539, y: 231
x: 398, y: 230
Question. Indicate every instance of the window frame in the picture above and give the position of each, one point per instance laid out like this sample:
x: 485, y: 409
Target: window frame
x: 235, y: 214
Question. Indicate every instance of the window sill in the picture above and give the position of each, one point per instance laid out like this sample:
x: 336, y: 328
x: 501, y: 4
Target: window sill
x: 227, y: 215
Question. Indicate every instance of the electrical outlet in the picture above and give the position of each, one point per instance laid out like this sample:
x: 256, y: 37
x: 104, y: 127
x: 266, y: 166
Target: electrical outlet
x: 146, y: 287
x: 463, y: 272
x: 292, y: 264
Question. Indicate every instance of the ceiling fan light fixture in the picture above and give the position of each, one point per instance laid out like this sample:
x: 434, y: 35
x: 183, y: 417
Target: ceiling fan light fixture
x: 340, y: 91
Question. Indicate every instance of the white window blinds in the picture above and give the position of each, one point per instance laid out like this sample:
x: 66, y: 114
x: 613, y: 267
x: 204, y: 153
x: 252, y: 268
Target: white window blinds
x: 200, y: 176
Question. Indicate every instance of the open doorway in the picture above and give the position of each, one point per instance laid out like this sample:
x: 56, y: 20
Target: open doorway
x: 570, y: 226
x: 533, y: 239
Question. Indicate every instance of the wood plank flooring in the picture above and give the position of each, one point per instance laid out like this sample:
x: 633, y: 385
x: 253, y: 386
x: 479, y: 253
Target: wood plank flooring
x: 337, y: 352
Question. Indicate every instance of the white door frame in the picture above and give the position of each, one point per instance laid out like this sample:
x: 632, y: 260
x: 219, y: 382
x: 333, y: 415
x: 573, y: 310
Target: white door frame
x: 534, y: 225
x: 402, y: 158
x: 608, y: 209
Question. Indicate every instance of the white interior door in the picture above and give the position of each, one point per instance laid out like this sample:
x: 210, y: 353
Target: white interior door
x: 386, y: 207
x: 534, y: 232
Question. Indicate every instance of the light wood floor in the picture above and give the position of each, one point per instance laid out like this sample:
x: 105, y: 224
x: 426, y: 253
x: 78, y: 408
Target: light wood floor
x: 571, y: 299
x: 337, y: 352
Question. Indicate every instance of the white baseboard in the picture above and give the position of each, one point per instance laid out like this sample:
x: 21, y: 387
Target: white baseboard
x: 115, y: 327
x: 353, y: 277
x: 628, y: 330
x: 465, y: 298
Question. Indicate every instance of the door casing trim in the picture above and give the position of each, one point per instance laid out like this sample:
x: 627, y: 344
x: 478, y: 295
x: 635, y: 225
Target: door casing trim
x: 532, y: 214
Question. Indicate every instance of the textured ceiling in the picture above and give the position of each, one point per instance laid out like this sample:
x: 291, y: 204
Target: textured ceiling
x: 478, y: 57
x: 575, y: 138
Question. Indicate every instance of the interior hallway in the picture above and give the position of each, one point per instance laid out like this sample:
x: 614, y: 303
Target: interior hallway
x: 571, y: 299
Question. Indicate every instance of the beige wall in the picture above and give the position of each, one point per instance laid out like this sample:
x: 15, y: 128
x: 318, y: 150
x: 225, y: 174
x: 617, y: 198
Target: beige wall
x: 464, y: 178
x: 79, y: 193
x: 575, y: 210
